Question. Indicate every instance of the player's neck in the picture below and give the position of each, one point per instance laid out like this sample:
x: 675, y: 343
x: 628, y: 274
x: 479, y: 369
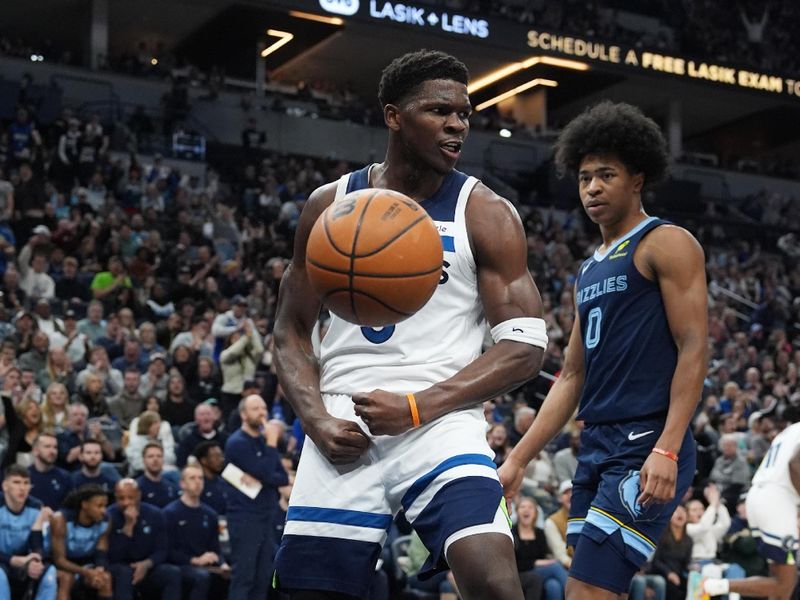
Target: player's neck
x: 402, y: 176
x: 612, y: 232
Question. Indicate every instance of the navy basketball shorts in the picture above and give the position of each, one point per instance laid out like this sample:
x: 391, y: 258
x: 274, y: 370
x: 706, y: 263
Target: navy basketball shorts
x: 611, y: 533
x: 440, y: 474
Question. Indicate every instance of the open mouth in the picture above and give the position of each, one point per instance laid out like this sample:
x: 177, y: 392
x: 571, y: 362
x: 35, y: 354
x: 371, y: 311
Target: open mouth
x: 452, y: 147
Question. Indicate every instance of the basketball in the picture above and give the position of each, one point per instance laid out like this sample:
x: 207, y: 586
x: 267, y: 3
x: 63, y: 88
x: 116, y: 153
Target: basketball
x: 374, y: 257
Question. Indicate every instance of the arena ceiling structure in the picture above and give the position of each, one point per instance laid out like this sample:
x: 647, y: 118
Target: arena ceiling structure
x: 349, y: 41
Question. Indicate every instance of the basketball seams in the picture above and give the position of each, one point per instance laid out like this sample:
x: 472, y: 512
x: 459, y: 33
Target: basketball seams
x: 359, y: 223
x: 366, y: 295
x: 324, y: 267
x: 362, y: 281
x: 392, y: 240
x: 326, y: 216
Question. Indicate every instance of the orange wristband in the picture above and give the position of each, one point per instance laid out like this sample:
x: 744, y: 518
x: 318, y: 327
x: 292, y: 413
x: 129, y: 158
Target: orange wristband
x: 667, y: 453
x: 412, y: 404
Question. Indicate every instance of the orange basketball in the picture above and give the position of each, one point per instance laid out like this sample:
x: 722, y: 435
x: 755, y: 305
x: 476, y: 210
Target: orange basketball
x: 374, y: 257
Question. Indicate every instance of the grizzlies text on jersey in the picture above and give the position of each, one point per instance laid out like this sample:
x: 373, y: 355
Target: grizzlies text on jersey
x: 628, y: 374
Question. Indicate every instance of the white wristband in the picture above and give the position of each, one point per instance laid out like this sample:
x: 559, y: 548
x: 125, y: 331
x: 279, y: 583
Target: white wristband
x: 527, y: 330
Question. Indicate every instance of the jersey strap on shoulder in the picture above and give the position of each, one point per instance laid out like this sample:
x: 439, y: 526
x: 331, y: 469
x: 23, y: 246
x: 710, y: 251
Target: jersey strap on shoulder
x: 527, y: 330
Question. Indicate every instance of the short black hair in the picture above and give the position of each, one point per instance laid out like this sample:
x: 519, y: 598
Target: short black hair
x: 203, y: 448
x: 79, y: 495
x: 617, y: 129
x: 403, y: 76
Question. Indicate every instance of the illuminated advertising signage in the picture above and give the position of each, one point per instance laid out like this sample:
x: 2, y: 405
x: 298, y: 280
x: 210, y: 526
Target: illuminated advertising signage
x: 409, y: 14
x: 661, y: 63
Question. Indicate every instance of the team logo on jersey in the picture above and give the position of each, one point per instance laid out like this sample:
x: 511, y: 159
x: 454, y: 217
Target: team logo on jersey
x: 618, y: 253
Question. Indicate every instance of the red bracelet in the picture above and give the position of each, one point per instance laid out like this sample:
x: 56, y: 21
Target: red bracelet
x: 667, y: 453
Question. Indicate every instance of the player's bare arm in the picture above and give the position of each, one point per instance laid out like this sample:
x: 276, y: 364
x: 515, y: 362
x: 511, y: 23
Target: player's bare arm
x: 559, y: 405
x: 340, y: 440
x: 672, y: 257
x: 507, y: 291
x: 58, y: 540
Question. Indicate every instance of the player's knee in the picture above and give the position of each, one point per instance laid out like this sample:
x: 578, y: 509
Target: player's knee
x: 501, y: 585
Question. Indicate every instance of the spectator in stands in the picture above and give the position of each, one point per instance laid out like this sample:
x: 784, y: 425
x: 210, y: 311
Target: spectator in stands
x: 113, y: 339
x: 497, y: 437
x: 215, y: 491
x: 93, y: 326
x: 228, y: 323
x: 14, y: 297
x: 107, y: 285
x: 154, y: 382
x: 29, y: 201
x: 32, y: 265
x: 35, y: 359
x: 176, y: 407
x: 25, y: 139
x: 555, y: 527
x: 54, y: 408
x: 192, y: 531
x: 149, y: 345
x: 149, y: 427
x: 253, y: 449
x: 206, y: 383
x: 6, y: 209
x: 154, y: 487
x: 673, y: 555
x: 565, y: 460
x: 23, y: 432
x: 137, y: 553
x: 239, y: 361
x: 707, y: 528
x: 731, y: 473
x: 537, y: 569
x: 75, y: 432
x: 100, y: 366
x: 23, y: 570
x: 45, y: 319
x: 202, y: 430
x: 70, y: 288
x: 91, y: 473
x: 28, y: 383
x: 93, y: 396
x: 79, y: 534
x: 57, y: 370
x: 523, y: 419
x: 131, y: 357
x: 49, y: 484
x: 129, y: 403
x: 195, y: 339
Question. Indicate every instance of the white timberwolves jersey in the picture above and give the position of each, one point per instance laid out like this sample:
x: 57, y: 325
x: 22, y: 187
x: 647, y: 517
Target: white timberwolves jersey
x: 436, y: 342
x: 774, y: 468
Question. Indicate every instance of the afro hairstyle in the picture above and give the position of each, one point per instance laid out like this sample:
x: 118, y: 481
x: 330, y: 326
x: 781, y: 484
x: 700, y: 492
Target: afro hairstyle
x: 404, y: 75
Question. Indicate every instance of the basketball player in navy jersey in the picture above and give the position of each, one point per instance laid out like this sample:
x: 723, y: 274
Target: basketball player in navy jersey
x: 394, y: 415
x: 636, y: 359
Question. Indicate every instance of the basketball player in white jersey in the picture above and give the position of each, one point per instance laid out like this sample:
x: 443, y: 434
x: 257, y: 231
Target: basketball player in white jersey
x: 772, y: 504
x: 394, y: 415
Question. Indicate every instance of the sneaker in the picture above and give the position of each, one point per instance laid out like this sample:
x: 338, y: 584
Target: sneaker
x: 694, y: 587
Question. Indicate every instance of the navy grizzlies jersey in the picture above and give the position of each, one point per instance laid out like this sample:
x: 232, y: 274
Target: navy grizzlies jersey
x: 629, y: 353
